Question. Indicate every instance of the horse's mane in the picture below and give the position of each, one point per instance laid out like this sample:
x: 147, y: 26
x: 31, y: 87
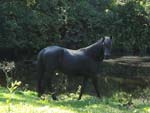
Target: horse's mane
x: 95, y: 50
x: 93, y: 46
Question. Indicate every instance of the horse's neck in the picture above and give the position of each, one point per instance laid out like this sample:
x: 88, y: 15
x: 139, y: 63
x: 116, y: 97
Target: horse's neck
x: 94, y: 47
x: 95, y: 51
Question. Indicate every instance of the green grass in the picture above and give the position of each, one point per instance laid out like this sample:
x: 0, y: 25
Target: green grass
x: 28, y: 102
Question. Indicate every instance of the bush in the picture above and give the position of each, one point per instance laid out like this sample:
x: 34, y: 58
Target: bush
x: 35, y: 24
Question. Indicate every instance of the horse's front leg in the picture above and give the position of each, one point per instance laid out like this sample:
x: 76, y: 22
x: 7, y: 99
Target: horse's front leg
x: 95, y: 83
x: 84, y: 84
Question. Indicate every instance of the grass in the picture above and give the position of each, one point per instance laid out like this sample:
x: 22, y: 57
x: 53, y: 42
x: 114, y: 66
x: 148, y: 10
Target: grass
x: 28, y: 102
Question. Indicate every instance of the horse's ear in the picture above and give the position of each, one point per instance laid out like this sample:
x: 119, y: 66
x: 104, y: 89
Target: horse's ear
x: 111, y: 37
x: 103, y: 39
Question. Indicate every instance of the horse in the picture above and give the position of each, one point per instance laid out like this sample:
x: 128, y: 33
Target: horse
x: 81, y: 62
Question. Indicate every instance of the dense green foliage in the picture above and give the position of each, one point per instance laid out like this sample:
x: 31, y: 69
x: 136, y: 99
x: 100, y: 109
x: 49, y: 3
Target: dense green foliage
x: 37, y: 23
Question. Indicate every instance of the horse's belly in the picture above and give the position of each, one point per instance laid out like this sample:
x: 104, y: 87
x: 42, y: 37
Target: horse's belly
x: 76, y: 66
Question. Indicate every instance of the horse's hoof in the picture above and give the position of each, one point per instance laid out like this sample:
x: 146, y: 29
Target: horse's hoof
x: 39, y: 95
x: 79, y: 98
x: 99, y: 97
x: 54, y: 97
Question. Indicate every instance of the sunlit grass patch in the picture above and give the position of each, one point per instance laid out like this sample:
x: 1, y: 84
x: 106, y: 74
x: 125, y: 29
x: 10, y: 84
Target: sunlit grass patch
x: 28, y: 102
x: 28, y: 108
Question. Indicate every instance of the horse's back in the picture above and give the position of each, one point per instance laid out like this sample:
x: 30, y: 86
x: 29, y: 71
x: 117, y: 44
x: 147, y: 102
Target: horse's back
x: 50, y: 50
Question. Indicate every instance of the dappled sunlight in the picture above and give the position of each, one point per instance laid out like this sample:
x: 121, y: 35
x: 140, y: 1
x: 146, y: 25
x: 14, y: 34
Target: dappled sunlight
x: 74, y: 56
x: 131, y: 60
x: 26, y: 108
x: 54, y: 110
x: 28, y: 102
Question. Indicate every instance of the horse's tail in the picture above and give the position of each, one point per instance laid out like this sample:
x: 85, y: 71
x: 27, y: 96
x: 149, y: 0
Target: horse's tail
x: 40, y: 74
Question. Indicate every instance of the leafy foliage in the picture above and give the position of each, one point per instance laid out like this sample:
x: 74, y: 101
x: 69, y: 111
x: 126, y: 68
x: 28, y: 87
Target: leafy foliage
x: 34, y: 24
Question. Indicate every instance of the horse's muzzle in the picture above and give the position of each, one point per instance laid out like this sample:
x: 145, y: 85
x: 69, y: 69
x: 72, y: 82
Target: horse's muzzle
x: 107, y: 57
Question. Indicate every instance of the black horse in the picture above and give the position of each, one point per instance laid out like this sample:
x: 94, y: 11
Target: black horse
x: 82, y: 62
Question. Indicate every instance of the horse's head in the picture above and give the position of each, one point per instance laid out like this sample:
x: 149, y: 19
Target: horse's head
x: 107, y: 43
x: 100, y: 50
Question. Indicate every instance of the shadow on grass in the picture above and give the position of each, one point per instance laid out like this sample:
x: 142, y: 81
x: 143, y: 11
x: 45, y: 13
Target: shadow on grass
x: 74, y: 103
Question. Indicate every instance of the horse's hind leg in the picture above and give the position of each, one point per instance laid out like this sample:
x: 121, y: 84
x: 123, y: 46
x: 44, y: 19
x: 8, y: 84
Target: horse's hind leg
x: 85, y: 80
x: 95, y: 83
x: 49, y: 84
x: 40, y: 77
x: 40, y: 84
x: 48, y: 81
